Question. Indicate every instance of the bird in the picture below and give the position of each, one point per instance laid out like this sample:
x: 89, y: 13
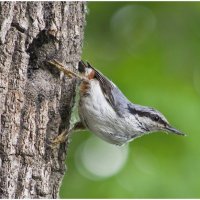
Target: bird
x: 104, y: 110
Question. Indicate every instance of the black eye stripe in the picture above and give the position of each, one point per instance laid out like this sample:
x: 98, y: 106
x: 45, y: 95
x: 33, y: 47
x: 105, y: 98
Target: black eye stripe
x: 141, y: 113
x: 157, y: 119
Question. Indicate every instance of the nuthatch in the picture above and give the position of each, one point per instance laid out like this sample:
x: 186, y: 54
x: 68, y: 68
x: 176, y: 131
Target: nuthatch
x: 105, y: 111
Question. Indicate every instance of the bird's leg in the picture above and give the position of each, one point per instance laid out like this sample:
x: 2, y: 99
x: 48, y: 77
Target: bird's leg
x: 79, y: 126
x: 65, y: 134
x: 62, y: 68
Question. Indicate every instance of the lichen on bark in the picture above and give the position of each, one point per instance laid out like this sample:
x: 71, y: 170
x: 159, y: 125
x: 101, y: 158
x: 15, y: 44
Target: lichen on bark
x: 35, y: 100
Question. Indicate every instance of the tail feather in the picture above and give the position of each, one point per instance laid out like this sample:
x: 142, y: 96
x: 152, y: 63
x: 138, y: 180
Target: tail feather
x: 81, y: 67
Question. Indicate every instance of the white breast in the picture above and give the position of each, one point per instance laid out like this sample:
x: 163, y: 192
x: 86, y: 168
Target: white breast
x: 100, y: 118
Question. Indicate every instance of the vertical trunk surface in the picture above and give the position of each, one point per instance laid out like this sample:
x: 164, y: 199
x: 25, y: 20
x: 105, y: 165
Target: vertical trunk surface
x: 35, y: 100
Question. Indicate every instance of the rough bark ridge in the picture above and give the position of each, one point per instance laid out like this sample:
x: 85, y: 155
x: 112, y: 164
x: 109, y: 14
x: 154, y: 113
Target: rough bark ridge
x: 35, y: 100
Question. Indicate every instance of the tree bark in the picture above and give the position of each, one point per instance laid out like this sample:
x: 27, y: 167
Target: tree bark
x: 35, y: 99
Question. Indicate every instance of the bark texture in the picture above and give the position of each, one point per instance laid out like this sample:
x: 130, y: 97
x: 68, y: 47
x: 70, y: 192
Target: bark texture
x: 35, y: 99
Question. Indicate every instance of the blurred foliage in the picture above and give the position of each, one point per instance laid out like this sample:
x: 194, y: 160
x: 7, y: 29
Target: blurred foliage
x: 151, y: 51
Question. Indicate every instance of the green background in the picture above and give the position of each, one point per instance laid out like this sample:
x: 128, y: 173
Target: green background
x: 151, y: 51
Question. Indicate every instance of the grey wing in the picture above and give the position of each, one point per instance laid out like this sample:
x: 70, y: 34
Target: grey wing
x: 113, y: 95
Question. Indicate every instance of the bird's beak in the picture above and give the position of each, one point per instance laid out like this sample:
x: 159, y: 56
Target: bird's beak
x: 170, y: 129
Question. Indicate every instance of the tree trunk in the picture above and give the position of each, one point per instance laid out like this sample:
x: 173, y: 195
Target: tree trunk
x: 36, y: 100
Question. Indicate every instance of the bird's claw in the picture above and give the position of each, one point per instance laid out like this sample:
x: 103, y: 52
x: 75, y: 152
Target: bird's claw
x: 58, y: 140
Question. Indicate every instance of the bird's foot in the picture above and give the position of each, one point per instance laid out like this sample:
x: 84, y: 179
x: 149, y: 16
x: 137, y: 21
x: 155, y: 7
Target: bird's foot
x: 59, y: 139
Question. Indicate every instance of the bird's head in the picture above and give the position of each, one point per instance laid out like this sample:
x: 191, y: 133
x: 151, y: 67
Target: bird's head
x: 151, y: 120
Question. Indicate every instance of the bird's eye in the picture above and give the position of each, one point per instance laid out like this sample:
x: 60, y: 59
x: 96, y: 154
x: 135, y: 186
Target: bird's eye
x: 156, y: 118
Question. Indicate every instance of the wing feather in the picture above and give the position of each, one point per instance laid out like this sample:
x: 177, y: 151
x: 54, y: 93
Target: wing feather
x: 113, y: 95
